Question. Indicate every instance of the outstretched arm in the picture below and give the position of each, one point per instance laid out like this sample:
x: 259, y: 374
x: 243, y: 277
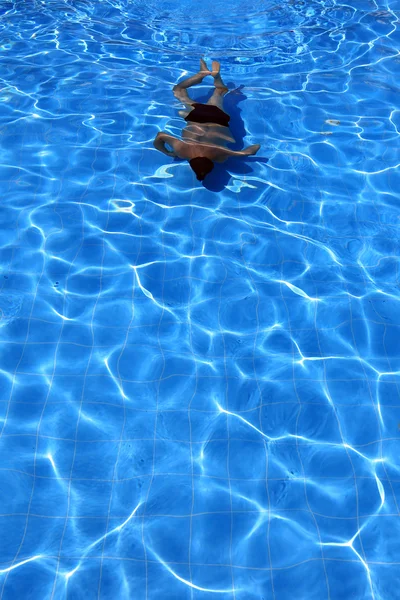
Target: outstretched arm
x: 164, y: 138
x: 250, y: 150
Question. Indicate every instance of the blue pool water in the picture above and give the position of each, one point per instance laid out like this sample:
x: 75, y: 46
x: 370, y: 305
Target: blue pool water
x: 199, y: 383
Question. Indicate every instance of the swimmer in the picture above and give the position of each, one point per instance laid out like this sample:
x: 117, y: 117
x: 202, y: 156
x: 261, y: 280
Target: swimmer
x: 207, y: 133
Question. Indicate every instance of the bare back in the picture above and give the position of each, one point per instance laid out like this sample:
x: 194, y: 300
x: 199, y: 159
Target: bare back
x: 210, y: 146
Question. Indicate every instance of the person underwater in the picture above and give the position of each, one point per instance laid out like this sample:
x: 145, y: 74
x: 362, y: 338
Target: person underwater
x: 207, y: 133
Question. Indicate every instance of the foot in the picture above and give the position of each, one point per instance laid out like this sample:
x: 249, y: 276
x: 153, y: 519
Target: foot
x: 219, y: 84
x: 215, y: 68
x: 203, y: 66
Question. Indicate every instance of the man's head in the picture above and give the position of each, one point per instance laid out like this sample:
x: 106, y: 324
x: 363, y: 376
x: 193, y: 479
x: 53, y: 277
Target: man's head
x: 201, y: 166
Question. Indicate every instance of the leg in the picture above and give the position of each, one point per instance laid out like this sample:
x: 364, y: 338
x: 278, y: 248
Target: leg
x: 217, y: 99
x: 182, y: 96
x: 180, y: 89
x: 216, y: 72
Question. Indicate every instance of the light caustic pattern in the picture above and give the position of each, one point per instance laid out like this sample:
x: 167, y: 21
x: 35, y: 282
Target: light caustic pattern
x: 199, y: 384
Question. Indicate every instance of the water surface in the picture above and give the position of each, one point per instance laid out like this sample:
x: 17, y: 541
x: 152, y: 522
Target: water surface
x: 200, y: 384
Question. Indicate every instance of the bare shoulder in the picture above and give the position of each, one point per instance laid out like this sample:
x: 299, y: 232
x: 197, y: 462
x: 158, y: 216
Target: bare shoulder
x: 183, y: 149
x: 222, y: 154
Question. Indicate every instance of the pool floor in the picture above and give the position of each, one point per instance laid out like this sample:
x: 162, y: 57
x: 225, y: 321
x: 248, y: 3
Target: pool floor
x: 199, y: 380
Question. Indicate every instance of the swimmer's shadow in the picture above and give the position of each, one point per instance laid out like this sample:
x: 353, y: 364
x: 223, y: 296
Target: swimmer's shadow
x: 220, y: 176
x: 222, y: 173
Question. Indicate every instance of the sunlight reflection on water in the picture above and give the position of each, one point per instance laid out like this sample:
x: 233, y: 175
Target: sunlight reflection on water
x: 200, y: 382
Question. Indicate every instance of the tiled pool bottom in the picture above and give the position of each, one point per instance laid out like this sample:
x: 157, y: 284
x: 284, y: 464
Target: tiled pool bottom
x: 199, y: 383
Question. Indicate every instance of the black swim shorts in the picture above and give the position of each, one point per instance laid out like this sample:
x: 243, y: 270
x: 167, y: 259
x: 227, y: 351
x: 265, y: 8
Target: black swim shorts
x: 208, y: 113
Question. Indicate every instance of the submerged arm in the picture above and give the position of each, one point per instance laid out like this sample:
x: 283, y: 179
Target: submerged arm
x: 164, y: 138
x: 249, y: 151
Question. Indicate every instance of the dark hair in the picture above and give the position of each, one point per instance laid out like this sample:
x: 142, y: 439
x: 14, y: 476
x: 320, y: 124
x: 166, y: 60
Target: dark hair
x: 201, y: 166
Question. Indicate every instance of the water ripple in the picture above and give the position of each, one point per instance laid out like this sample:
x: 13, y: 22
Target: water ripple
x: 200, y: 383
